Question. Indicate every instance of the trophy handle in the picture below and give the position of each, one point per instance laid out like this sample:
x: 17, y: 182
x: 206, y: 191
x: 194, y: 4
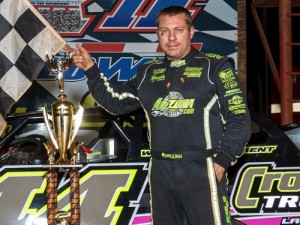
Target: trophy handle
x: 77, y: 119
x: 46, y: 120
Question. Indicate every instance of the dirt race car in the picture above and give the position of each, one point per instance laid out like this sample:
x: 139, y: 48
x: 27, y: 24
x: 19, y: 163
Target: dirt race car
x: 263, y: 186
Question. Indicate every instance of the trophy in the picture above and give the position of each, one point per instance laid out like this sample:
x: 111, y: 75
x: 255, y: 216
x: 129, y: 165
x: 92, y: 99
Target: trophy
x: 65, y: 125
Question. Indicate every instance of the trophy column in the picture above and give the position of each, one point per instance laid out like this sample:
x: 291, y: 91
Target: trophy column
x: 54, y: 216
x: 75, y: 197
x: 51, y: 196
x: 65, y: 126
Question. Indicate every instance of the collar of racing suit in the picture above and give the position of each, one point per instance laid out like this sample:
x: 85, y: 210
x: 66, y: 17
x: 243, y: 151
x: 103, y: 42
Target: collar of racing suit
x: 177, y: 66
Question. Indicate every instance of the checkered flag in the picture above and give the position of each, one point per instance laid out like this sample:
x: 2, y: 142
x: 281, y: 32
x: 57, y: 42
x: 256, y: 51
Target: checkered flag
x: 25, y: 38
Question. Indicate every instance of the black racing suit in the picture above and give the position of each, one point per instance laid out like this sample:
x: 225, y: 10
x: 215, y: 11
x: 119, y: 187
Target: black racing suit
x: 196, y: 115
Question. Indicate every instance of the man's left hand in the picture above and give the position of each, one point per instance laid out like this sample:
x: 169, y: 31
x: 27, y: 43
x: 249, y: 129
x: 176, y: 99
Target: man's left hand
x: 219, y: 170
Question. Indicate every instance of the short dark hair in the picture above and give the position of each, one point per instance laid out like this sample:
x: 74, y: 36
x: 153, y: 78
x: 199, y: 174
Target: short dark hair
x: 174, y: 10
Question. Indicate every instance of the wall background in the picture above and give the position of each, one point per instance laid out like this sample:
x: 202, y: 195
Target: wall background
x: 120, y: 35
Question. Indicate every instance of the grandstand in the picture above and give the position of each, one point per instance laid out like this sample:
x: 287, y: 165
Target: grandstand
x: 63, y: 15
x: 62, y: 20
x: 56, y: 2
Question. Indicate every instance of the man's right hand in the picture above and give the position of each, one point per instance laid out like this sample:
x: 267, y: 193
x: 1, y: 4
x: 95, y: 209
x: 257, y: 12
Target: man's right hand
x: 81, y: 58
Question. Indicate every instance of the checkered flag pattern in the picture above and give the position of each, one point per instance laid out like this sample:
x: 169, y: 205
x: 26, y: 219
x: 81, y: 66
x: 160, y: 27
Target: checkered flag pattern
x: 25, y: 38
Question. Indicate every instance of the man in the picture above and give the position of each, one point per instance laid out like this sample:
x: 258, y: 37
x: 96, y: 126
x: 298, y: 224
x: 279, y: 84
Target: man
x: 197, y: 117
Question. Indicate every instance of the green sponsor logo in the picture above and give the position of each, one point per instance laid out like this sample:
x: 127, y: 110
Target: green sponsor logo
x: 159, y: 71
x: 235, y: 100
x: 227, y: 211
x: 233, y: 92
x: 173, y: 105
x: 153, y: 61
x: 145, y: 153
x: 155, y: 78
x: 237, y: 105
x: 193, y: 71
x: 260, y: 149
x: 228, y: 79
x: 216, y: 56
x: 158, y: 75
x: 177, y: 63
x: 171, y: 156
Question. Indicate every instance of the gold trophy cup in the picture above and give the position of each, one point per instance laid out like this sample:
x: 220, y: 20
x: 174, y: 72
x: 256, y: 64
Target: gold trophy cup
x: 65, y: 122
x: 65, y: 125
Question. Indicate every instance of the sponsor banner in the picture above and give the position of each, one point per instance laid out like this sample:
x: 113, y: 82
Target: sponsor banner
x: 263, y: 193
x: 121, y: 35
x: 110, y: 193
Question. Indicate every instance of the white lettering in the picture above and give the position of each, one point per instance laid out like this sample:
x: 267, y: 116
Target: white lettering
x: 270, y: 201
x: 290, y: 201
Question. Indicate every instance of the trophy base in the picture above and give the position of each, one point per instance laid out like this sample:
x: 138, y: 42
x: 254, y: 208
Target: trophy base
x: 63, y: 161
x: 62, y: 166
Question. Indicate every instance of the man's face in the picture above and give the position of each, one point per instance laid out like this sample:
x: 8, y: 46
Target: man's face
x: 174, y: 35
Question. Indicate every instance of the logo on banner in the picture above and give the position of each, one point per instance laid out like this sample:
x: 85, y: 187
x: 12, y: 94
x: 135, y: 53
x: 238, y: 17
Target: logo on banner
x: 108, y: 194
x: 265, y: 188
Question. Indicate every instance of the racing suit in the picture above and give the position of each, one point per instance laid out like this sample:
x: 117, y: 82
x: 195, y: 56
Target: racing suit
x: 197, y: 116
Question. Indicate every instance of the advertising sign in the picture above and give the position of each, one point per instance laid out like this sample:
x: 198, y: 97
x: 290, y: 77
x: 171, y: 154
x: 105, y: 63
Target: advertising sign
x: 121, y: 35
